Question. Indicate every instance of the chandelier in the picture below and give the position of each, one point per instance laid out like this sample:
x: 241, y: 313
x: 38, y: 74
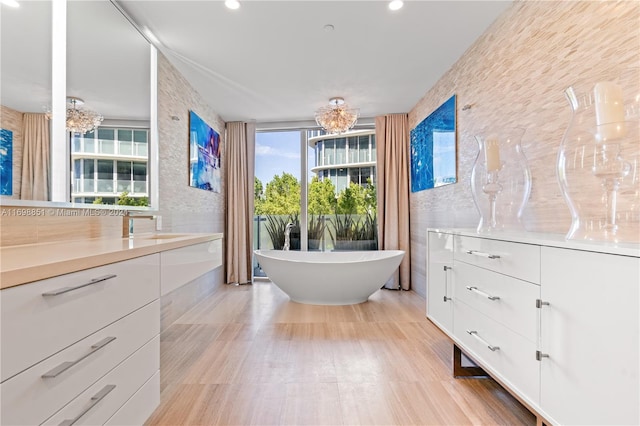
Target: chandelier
x: 81, y: 120
x: 337, y: 117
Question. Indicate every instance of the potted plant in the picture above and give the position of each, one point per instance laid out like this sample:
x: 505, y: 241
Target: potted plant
x: 315, y: 231
x: 351, y: 233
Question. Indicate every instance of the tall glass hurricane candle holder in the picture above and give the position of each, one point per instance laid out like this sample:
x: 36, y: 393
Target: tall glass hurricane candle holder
x: 500, y: 180
x: 599, y: 160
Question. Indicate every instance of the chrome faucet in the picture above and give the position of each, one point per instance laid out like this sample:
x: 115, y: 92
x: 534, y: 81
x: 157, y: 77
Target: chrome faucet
x: 127, y: 223
x: 287, y: 231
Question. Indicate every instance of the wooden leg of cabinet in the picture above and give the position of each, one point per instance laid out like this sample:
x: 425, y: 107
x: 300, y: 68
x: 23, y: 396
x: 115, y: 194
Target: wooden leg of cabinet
x: 460, y: 371
x: 464, y: 371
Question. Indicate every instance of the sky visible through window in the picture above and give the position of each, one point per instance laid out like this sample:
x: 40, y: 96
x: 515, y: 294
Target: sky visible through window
x: 278, y: 152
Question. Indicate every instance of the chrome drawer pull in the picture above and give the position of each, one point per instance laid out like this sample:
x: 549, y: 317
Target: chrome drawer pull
x: 540, y: 355
x: 446, y: 298
x: 484, y: 342
x: 68, y: 289
x: 482, y: 293
x: 483, y: 254
x: 94, y: 400
x: 68, y: 364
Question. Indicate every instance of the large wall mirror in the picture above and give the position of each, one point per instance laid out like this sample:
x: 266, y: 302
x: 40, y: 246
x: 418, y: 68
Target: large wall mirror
x: 110, y: 67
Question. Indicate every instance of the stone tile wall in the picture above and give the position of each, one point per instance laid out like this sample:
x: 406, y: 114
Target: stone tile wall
x: 514, y: 75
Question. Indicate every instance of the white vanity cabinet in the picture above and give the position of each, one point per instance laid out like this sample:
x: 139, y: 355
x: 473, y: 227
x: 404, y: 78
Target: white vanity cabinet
x: 439, y: 287
x: 182, y: 265
x: 77, y: 347
x: 556, y: 322
x: 590, y: 337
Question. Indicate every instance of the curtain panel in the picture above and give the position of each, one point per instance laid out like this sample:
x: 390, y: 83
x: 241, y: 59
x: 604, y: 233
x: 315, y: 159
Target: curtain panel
x: 392, y: 147
x: 35, y: 175
x: 240, y: 172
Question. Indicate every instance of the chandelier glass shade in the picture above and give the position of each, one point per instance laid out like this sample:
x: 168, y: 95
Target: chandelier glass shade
x: 337, y: 117
x: 81, y: 120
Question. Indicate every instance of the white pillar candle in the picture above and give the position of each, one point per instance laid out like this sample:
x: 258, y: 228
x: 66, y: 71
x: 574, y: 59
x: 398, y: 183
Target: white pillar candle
x: 609, y: 107
x: 492, y: 153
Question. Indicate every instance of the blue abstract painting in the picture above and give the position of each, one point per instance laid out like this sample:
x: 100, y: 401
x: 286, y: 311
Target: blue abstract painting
x: 204, y: 155
x: 433, y: 149
x: 6, y: 162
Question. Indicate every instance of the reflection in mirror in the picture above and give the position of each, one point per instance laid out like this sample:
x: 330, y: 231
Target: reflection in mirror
x: 108, y: 66
x: 25, y: 79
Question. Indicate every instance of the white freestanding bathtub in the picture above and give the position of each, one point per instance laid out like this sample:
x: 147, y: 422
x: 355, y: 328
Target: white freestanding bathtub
x: 329, y: 278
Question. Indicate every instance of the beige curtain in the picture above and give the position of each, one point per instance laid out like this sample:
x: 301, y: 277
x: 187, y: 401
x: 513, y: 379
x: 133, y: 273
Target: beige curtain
x: 35, y: 174
x: 392, y: 148
x: 239, y: 166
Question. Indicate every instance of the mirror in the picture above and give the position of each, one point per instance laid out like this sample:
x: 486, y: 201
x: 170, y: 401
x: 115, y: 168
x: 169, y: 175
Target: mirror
x: 108, y: 66
x: 25, y: 79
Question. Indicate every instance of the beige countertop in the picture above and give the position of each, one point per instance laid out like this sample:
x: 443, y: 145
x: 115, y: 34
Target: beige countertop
x: 32, y: 262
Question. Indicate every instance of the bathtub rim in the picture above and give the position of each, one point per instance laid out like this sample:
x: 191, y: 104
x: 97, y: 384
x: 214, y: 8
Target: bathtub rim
x: 337, y: 254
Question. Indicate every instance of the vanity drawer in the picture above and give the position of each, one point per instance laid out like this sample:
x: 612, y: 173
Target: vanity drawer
x: 141, y: 405
x: 517, y: 260
x: 507, y: 300
x: 513, y: 359
x: 30, y: 398
x: 114, y: 390
x: 36, y: 323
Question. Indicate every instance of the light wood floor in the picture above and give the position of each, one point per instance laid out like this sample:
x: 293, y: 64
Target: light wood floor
x: 247, y: 355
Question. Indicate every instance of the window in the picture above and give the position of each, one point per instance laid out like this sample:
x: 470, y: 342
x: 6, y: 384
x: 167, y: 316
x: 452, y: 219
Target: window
x: 352, y: 147
x: 125, y: 142
x: 363, y: 148
x: 124, y: 176
x: 109, y: 160
x: 139, y: 178
x: 140, y: 143
x: 106, y: 144
x: 88, y: 171
x: 341, y: 151
x: 329, y: 152
x: 89, y: 142
x: 320, y: 217
x: 105, y: 175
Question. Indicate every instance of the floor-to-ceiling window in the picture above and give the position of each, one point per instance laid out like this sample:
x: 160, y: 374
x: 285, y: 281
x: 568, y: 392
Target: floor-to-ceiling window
x: 277, y: 191
x: 322, y: 184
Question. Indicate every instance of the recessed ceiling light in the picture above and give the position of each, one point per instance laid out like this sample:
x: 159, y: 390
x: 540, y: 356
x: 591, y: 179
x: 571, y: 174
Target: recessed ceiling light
x: 232, y: 4
x: 10, y: 3
x: 329, y: 27
x: 395, y: 4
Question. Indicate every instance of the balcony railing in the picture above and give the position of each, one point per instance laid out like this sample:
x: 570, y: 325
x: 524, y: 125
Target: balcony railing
x: 104, y: 186
x: 111, y: 147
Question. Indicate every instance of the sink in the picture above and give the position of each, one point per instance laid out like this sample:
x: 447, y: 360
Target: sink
x: 165, y: 236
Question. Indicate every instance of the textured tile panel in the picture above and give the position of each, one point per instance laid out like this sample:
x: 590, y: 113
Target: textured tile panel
x: 514, y: 75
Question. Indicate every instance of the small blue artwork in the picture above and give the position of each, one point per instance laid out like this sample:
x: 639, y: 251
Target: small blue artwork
x: 204, y: 155
x: 6, y: 162
x: 433, y: 149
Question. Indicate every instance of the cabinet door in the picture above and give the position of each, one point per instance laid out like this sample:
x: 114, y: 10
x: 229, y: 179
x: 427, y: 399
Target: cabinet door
x: 439, y: 286
x: 590, y: 331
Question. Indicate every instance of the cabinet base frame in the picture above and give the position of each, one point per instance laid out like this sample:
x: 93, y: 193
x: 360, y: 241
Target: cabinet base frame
x: 460, y: 371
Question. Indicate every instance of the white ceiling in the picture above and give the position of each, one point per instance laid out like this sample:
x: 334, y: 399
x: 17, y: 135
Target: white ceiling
x: 273, y: 60
x: 267, y: 61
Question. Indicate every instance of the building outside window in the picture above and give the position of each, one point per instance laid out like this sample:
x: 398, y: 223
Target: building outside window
x: 345, y: 158
x: 109, y: 162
